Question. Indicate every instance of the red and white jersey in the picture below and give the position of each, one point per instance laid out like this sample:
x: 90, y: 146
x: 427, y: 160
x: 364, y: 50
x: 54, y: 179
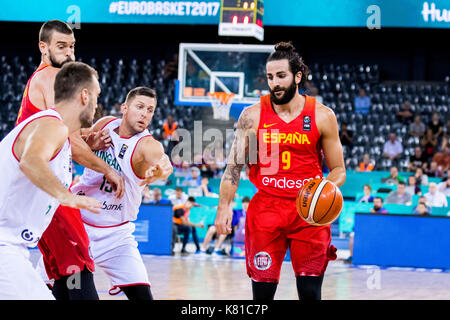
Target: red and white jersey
x: 289, y: 154
x: 92, y: 183
x: 26, y: 210
x: 27, y: 108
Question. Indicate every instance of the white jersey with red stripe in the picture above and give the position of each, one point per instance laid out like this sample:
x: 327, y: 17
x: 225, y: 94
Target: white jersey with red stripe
x: 26, y: 210
x: 93, y: 184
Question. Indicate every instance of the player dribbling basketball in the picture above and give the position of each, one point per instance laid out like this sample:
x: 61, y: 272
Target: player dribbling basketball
x: 291, y: 131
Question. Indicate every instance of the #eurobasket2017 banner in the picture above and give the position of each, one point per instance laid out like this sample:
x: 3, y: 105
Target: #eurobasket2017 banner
x: 324, y: 13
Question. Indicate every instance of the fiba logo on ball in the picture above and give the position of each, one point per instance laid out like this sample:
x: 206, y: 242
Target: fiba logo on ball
x: 27, y: 235
x: 307, y: 194
x: 262, y: 260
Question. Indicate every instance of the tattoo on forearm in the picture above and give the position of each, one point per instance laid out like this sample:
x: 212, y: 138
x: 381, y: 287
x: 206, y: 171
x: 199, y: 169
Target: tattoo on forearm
x: 245, y: 138
x: 233, y: 173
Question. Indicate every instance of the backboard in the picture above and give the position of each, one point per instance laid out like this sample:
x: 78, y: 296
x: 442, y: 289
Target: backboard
x: 213, y: 67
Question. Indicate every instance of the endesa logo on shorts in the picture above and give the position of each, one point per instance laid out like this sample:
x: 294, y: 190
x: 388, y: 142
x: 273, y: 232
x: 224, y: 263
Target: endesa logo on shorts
x: 262, y: 260
x: 284, y: 183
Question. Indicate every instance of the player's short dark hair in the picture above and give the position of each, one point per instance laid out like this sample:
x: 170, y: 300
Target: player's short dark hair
x: 246, y: 199
x: 46, y: 31
x: 402, y: 183
x: 72, y: 77
x: 191, y: 199
x: 140, y: 91
x: 286, y: 50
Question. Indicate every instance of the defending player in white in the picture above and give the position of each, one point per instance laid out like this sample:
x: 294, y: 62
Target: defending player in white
x: 37, y: 172
x: 140, y: 159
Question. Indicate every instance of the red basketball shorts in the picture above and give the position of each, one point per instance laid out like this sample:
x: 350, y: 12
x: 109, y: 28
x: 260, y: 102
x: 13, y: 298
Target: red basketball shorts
x: 272, y: 226
x: 65, y: 244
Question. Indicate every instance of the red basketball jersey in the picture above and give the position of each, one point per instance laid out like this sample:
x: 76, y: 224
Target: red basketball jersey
x: 289, y: 154
x: 27, y: 108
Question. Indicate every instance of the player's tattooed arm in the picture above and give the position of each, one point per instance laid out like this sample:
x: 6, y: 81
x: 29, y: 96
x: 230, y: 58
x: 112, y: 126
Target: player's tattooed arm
x: 240, y: 150
x: 240, y: 155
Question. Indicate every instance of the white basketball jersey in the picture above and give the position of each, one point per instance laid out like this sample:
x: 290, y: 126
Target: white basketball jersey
x: 114, y: 211
x: 26, y: 210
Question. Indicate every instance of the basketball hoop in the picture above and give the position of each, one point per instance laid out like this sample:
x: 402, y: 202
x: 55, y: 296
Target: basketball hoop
x: 221, y: 103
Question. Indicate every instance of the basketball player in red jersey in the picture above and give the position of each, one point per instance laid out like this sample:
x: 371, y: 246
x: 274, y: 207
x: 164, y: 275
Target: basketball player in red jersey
x: 282, y: 139
x: 64, y: 244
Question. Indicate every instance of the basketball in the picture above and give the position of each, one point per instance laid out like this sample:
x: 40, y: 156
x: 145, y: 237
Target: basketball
x: 319, y: 202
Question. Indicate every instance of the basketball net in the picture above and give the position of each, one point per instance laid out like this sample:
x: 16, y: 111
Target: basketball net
x: 221, y: 103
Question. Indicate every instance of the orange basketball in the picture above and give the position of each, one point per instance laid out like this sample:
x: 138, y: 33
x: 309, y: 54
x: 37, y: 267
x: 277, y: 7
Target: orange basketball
x: 319, y: 202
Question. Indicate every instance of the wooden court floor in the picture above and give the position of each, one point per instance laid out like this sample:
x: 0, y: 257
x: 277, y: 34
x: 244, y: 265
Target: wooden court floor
x: 203, y: 278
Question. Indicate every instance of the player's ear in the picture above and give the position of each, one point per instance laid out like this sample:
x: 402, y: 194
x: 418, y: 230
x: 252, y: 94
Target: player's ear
x: 84, y: 96
x: 43, y: 47
x: 298, y: 77
x: 123, y: 107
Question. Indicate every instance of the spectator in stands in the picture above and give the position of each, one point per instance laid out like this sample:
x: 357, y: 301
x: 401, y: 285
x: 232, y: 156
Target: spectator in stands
x: 194, y: 179
x: 183, y: 171
x: 169, y: 130
x: 314, y: 92
x: 421, y: 178
x: 206, y: 189
x: 177, y: 161
x: 393, y: 148
x: 421, y: 209
x: 393, y: 177
x: 171, y: 68
x: 178, y: 197
x: 444, y: 187
x: 399, y: 196
x: 446, y: 175
x: 212, y: 170
x: 434, y: 197
x: 417, y: 128
x: 405, y: 115
x: 442, y: 158
x: 367, y: 197
x: 378, y: 206
x: 362, y: 102
x: 436, y: 126
x: 346, y: 136
x: 198, y: 161
x: 238, y: 217
x: 429, y: 142
x: 434, y: 171
x: 147, y: 194
x: 447, y: 128
x: 417, y: 160
x: 367, y: 164
x: 445, y: 144
x: 413, y: 187
x: 157, y: 197
x: 422, y: 200
x: 116, y: 111
x: 182, y: 225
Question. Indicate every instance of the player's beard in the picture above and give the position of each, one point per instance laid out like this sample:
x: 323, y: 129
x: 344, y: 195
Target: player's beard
x: 55, y: 63
x: 289, y: 93
x: 86, y: 116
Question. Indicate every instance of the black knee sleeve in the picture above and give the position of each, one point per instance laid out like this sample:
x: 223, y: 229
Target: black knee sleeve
x: 79, y: 286
x: 138, y: 292
x: 309, y: 287
x: 263, y: 290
